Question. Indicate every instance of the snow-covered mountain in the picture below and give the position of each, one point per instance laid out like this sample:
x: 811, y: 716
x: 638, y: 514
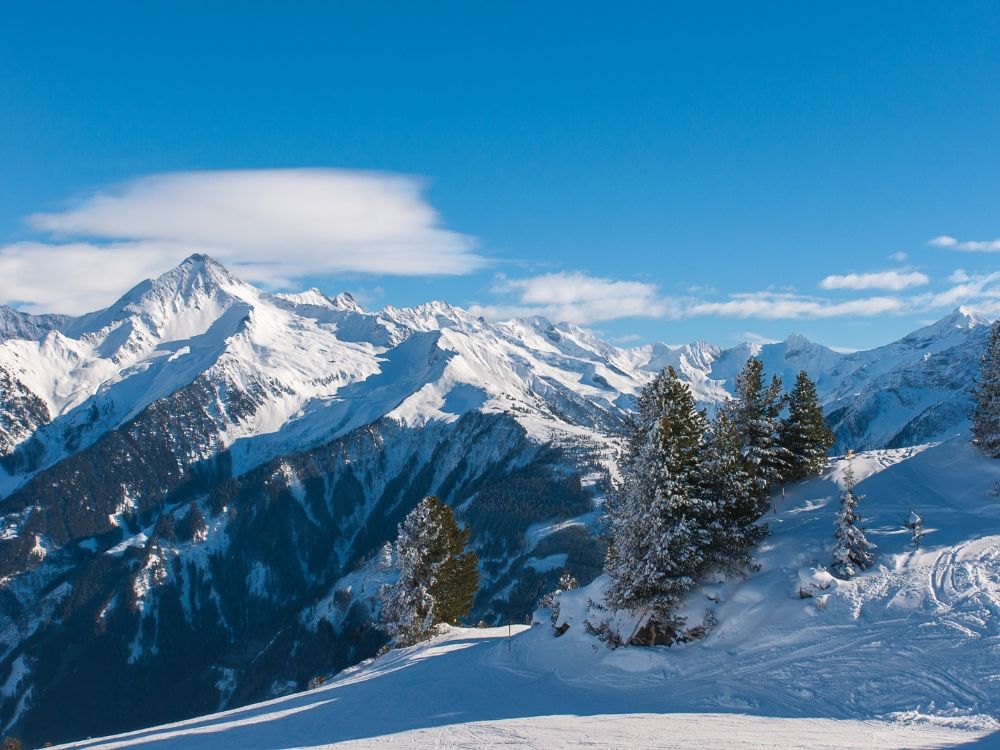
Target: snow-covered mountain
x: 912, y: 390
x: 194, y: 481
x: 900, y: 656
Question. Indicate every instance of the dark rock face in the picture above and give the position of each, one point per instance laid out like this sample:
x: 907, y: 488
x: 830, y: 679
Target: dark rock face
x: 209, y: 591
x: 655, y: 633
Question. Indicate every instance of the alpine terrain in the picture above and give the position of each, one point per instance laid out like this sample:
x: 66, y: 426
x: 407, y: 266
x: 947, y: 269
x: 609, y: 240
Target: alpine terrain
x: 197, y: 482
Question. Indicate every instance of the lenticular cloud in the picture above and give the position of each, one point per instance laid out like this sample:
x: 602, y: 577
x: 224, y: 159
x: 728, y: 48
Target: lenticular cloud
x: 272, y: 225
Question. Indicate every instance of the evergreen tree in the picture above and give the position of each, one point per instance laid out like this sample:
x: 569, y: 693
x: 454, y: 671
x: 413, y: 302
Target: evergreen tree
x: 437, y: 578
x: 754, y: 413
x: 804, y: 433
x: 457, y: 580
x: 853, y: 552
x: 986, y: 412
x: 732, y: 506
x: 657, y: 543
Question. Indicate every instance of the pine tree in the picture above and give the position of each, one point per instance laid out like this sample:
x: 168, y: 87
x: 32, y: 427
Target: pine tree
x: 733, y: 510
x: 754, y: 413
x: 804, y: 433
x: 853, y: 552
x: 437, y: 578
x: 657, y: 546
x: 457, y: 579
x: 986, y: 394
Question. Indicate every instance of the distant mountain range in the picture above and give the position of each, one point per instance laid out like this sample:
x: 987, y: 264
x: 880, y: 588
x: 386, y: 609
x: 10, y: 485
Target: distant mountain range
x: 194, y: 482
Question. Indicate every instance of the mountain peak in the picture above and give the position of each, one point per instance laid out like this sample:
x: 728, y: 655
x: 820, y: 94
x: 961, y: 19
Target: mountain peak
x: 346, y: 301
x: 177, y: 303
x: 950, y: 329
x: 965, y: 317
x: 961, y: 318
x: 195, y: 276
x: 797, y: 339
x: 198, y: 265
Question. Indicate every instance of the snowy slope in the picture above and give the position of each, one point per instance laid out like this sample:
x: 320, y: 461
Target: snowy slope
x: 466, y: 689
x: 903, y: 655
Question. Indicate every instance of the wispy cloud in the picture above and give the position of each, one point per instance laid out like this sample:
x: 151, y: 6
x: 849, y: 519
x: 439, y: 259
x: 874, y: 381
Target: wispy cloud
x: 899, y: 257
x: 78, y: 277
x: 754, y: 338
x: 972, y: 246
x: 575, y: 297
x: 271, y: 226
x: 783, y: 305
x: 979, y: 291
x: 891, y: 280
x: 580, y: 298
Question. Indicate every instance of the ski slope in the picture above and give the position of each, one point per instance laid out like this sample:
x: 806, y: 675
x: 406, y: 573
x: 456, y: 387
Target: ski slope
x: 902, y: 656
x: 469, y: 688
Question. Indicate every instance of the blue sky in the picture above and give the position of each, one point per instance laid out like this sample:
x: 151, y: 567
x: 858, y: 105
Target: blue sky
x: 654, y: 171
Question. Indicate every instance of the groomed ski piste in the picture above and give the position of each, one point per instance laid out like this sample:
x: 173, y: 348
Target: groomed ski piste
x: 905, y: 655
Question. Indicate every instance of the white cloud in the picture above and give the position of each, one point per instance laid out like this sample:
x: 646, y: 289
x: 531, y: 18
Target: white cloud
x: 576, y: 297
x: 899, y: 257
x: 78, y: 277
x: 958, y: 276
x: 270, y: 226
x: 776, y: 305
x: 942, y: 241
x: 628, y: 338
x: 891, y: 280
x: 754, y: 338
x: 579, y: 298
x: 972, y: 246
x: 981, y: 291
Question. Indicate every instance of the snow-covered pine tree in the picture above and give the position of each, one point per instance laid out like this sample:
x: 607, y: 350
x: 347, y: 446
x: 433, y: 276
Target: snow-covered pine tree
x: 804, y: 433
x: 734, y: 512
x: 754, y: 413
x: 567, y: 582
x: 437, y: 579
x: 986, y: 394
x: 853, y: 552
x: 657, y: 545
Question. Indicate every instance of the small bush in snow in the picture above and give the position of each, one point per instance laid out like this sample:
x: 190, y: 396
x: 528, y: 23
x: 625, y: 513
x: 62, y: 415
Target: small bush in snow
x: 551, y: 600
